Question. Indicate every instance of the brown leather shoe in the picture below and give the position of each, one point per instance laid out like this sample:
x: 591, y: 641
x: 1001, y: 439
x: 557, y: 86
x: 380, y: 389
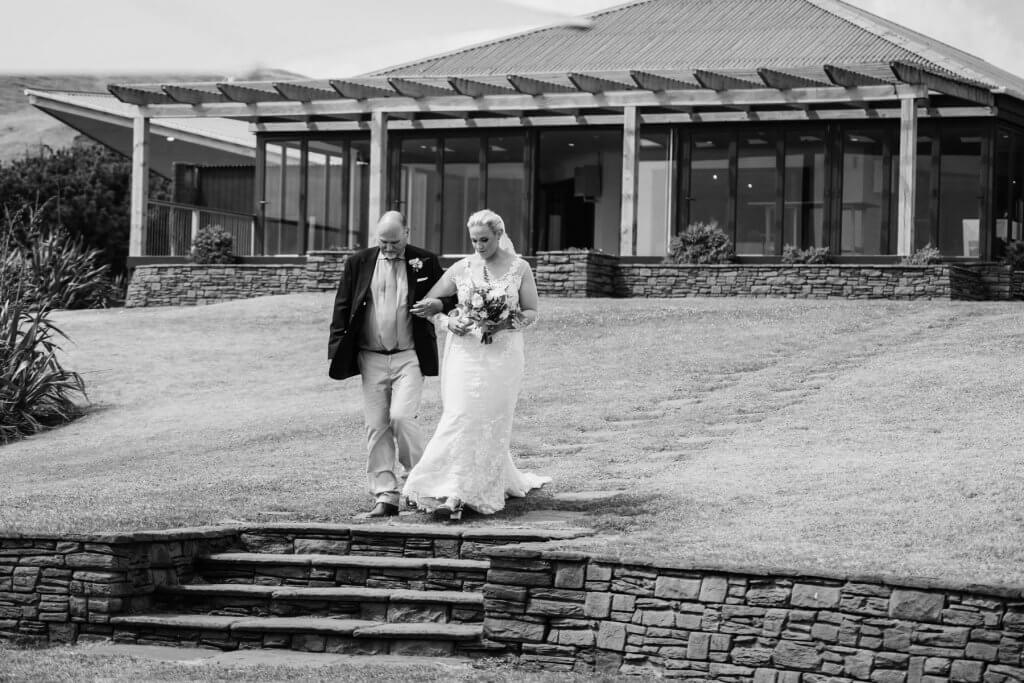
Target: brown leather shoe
x: 383, y: 510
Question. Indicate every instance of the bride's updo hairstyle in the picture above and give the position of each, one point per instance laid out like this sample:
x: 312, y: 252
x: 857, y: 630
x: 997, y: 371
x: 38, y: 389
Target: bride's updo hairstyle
x: 487, y: 218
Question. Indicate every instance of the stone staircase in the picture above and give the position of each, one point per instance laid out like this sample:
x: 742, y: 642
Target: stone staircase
x: 359, y: 589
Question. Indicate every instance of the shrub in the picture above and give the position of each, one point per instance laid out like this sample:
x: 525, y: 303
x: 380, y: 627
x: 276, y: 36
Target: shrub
x: 1014, y: 256
x: 35, y: 391
x: 213, y: 245
x: 925, y: 256
x: 701, y: 243
x: 791, y: 254
x: 55, y: 270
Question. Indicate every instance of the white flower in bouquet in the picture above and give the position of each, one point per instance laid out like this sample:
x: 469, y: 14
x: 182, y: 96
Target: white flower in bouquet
x: 477, y: 301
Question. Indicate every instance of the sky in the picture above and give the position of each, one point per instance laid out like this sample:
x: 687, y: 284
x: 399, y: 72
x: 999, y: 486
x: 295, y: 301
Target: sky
x: 338, y: 38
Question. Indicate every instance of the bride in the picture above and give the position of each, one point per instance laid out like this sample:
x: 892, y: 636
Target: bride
x: 467, y: 462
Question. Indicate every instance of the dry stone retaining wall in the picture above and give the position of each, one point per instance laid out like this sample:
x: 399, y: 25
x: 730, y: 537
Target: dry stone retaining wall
x: 190, y: 284
x: 66, y: 588
x: 569, y: 611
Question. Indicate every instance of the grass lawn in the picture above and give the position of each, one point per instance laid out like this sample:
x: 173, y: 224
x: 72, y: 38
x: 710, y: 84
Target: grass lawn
x: 86, y: 663
x: 875, y: 436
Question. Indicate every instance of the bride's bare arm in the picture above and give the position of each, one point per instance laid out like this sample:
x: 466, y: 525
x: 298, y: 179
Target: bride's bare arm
x: 528, y: 298
x: 431, y: 304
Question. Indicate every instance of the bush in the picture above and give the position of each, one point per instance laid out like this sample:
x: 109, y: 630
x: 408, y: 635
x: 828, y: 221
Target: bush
x: 213, y: 245
x: 1014, y: 256
x: 54, y: 269
x: 791, y: 254
x: 701, y: 243
x: 925, y: 256
x: 88, y: 188
x: 35, y: 391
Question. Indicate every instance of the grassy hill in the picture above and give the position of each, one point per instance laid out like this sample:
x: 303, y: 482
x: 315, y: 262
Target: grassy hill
x: 26, y: 130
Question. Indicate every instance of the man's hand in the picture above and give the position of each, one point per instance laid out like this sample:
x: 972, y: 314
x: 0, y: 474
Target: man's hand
x: 424, y: 308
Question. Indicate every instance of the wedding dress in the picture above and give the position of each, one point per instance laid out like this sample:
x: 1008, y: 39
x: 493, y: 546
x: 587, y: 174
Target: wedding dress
x: 468, y: 457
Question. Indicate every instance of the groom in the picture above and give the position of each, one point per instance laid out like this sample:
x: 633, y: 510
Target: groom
x: 375, y: 334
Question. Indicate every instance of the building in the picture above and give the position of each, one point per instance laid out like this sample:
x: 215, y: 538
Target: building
x: 786, y: 122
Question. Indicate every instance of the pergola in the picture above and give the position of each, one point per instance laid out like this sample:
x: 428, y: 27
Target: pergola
x: 894, y: 90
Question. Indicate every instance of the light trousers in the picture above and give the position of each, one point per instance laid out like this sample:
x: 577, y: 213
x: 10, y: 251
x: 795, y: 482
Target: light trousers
x: 392, y: 387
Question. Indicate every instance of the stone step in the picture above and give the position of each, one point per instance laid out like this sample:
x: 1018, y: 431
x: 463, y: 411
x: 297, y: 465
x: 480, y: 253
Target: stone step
x: 315, y: 570
x: 308, y: 634
x: 370, y: 604
x: 389, y: 539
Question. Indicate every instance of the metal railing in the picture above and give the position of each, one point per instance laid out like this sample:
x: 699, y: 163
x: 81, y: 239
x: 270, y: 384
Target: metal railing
x: 170, y: 228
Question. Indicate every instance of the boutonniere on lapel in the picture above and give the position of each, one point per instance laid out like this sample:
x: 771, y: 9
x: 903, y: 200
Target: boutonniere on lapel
x: 416, y: 264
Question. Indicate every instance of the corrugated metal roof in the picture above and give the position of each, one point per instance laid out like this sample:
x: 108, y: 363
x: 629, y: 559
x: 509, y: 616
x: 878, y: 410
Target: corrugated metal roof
x: 739, y: 35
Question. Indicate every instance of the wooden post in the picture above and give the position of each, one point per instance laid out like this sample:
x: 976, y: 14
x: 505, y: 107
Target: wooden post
x: 908, y: 177
x: 630, y: 159
x: 140, y: 186
x: 378, y: 167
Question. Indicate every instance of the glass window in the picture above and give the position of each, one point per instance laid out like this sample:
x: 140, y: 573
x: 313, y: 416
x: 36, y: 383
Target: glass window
x: 923, y: 199
x: 326, y: 220
x: 281, y: 194
x: 653, y: 200
x: 865, y: 223
x: 506, y: 185
x: 709, y: 180
x: 757, y: 181
x: 804, y: 212
x: 462, y: 192
x: 420, y: 188
x: 359, y: 195
x: 1009, y: 189
x: 960, y: 203
x: 579, y: 189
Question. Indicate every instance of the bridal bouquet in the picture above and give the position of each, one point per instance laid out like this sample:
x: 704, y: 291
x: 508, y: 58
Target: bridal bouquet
x: 489, y: 311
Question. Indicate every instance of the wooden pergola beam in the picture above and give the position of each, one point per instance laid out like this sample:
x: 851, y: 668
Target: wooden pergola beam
x: 597, y: 85
x: 550, y: 101
x: 471, y: 88
x: 187, y: 95
x: 304, y: 93
x: 359, y: 91
x: 657, y: 83
x: 418, y: 90
x: 139, y: 96
x: 783, y: 81
x: 845, y: 78
x: 247, y: 94
x: 548, y: 119
x: 719, y: 82
x: 916, y: 75
x: 532, y: 86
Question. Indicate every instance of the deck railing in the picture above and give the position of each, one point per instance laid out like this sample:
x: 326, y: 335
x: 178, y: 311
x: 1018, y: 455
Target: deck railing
x: 170, y: 228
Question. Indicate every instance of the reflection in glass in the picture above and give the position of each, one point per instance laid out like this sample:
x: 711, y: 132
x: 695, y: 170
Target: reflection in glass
x: 960, y: 208
x: 281, y: 196
x: 358, y: 195
x: 1009, y: 190
x: 420, y: 190
x: 325, y: 218
x: 579, y: 194
x: 923, y: 194
x: 461, y: 192
x: 804, y: 218
x: 506, y: 185
x: 653, y: 207
x: 709, y: 180
x: 756, y: 184
x: 864, y: 223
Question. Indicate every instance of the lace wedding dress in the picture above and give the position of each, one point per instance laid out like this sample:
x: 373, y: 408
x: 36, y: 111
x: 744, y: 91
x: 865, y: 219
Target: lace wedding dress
x: 468, y: 457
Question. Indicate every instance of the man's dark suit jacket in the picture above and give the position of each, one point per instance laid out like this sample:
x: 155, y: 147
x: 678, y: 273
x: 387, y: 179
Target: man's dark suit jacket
x: 350, y: 310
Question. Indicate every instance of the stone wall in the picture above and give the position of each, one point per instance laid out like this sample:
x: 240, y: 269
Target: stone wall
x: 576, y: 273
x: 60, y: 589
x: 570, y: 611
x: 190, y: 284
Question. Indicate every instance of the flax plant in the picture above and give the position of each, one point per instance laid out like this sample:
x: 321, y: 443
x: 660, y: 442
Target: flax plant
x: 35, y: 390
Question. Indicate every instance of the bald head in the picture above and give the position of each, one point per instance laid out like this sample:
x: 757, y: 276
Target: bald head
x: 392, y: 234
